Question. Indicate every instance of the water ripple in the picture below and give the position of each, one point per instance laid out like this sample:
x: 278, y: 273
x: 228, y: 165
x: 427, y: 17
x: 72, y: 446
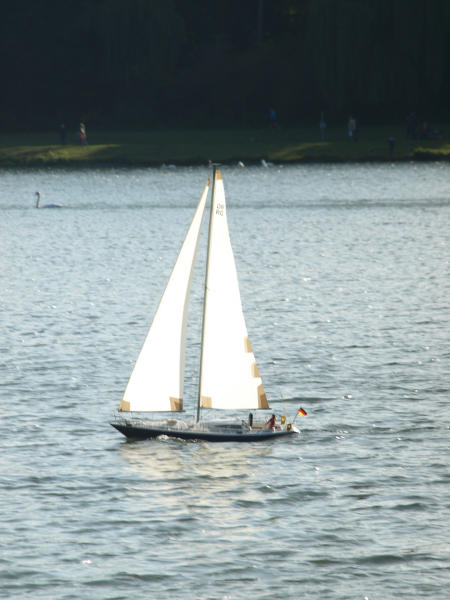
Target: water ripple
x: 344, y: 280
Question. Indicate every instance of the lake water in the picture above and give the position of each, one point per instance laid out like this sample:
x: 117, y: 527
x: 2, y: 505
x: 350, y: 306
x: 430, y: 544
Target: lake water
x: 345, y: 283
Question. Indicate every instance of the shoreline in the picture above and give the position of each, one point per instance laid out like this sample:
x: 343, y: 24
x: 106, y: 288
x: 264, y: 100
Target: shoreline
x: 76, y: 165
x: 201, y: 147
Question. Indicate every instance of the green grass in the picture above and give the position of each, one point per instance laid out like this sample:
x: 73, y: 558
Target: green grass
x: 200, y: 146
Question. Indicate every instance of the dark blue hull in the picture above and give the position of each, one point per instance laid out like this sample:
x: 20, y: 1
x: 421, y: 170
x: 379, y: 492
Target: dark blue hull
x: 143, y: 432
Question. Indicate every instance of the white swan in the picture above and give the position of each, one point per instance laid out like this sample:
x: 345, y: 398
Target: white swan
x: 38, y: 199
x: 265, y: 163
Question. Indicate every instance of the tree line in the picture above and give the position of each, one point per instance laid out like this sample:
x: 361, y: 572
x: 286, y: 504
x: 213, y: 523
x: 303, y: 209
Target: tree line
x: 202, y: 63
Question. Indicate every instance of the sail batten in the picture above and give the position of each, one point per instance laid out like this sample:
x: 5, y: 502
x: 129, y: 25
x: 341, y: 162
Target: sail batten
x: 157, y: 380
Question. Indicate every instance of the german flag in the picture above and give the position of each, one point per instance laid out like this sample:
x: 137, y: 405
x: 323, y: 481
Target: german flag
x: 302, y: 412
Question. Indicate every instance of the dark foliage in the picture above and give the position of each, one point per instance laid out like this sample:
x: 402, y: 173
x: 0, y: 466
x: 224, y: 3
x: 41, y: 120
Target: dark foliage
x: 159, y: 63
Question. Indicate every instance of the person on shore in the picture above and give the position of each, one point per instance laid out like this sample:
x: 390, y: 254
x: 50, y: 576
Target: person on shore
x: 391, y: 143
x: 411, y: 126
x: 424, y: 131
x: 356, y: 132
x: 63, y: 133
x: 351, y: 126
x: 83, y: 135
x: 322, y: 125
x: 273, y: 118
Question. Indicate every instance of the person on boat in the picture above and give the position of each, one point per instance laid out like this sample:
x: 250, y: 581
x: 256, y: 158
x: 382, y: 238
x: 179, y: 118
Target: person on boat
x: 270, y: 423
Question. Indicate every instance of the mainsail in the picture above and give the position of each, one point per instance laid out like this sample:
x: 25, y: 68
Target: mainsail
x: 229, y: 374
x: 157, y: 380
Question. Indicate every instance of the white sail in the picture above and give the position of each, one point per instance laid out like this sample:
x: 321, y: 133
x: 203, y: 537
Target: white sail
x: 229, y: 375
x: 157, y: 380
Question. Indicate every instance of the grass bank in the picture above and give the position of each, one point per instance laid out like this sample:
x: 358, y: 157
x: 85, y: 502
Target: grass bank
x: 281, y: 145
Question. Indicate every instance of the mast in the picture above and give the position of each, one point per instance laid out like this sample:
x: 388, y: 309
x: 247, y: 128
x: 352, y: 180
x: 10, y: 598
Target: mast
x: 205, y: 295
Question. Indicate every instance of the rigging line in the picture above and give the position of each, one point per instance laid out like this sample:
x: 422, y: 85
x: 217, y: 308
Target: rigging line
x: 205, y: 295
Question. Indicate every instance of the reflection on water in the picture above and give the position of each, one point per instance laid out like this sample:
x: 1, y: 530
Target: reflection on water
x: 201, y: 492
x: 203, y: 471
x: 175, y: 458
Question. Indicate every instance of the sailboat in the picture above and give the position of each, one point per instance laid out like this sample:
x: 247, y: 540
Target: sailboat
x: 228, y: 375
